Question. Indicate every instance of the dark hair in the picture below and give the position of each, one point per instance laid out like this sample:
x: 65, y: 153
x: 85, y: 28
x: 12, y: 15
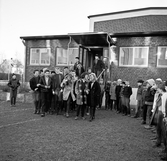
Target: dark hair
x: 165, y: 83
x: 53, y: 72
x: 46, y: 71
x: 162, y: 87
x: 36, y: 70
x: 41, y: 71
x: 84, y: 74
x: 65, y: 67
x: 140, y: 81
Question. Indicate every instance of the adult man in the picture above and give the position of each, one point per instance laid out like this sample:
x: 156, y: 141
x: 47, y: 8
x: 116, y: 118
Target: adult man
x: 78, y: 68
x: 98, y: 66
x: 56, y: 91
x: 34, y: 85
x: 45, y: 84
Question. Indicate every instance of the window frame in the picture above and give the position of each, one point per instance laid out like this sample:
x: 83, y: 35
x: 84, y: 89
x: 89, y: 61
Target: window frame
x: 140, y: 66
x: 67, y: 50
x: 158, y: 48
x: 39, y: 56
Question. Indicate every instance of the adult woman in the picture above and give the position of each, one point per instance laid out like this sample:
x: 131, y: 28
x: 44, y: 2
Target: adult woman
x: 94, y: 95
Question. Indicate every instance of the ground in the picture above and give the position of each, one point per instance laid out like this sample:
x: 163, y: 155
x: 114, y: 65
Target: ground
x: 25, y: 136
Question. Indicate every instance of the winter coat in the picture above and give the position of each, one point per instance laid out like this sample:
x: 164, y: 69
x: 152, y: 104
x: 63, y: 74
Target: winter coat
x: 127, y: 91
x: 43, y: 84
x: 81, y: 94
x: 67, y: 90
x: 33, y: 83
x: 94, y: 94
x: 149, y: 96
x: 14, y: 84
x: 118, y: 90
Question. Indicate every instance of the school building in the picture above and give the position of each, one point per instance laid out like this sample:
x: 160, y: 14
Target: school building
x: 134, y: 43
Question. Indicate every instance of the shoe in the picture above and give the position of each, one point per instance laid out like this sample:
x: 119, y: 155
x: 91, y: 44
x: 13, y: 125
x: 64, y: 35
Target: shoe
x: 129, y: 115
x: 135, y: 116
x: 38, y: 112
x: 67, y: 115
x: 83, y: 118
x: 143, y: 122
x: 87, y: 114
x: 35, y: 112
x: 42, y: 115
x: 90, y: 120
x: 153, y: 138
x: 147, y: 127
x: 76, y: 118
x: 156, y: 145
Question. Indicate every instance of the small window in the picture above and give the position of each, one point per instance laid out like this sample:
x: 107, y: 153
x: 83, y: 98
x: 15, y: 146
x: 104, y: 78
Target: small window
x: 162, y: 57
x: 40, y: 56
x: 133, y: 56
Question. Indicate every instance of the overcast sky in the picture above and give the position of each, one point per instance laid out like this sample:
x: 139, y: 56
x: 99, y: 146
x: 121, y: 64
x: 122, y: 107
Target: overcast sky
x: 53, y: 17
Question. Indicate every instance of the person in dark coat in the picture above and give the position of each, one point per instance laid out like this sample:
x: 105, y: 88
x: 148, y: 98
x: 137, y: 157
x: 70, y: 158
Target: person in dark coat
x: 46, y: 85
x: 13, y: 84
x: 118, y: 97
x: 34, y: 85
x: 94, y: 95
x: 78, y: 68
x: 57, y: 91
x: 98, y: 66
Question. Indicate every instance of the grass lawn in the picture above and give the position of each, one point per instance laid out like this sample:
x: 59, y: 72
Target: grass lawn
x: 25, y: 136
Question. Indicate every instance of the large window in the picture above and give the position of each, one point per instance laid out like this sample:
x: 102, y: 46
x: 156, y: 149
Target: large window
x: 162, y: 56
x: 133, y: 56
x: 66, y: 56
x: 40, y: 56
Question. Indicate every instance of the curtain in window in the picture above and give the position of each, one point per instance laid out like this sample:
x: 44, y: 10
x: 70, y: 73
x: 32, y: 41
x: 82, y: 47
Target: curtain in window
x: 128, y: 56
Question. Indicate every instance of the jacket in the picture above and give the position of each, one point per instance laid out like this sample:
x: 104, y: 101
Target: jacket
x: 33, y: 83
x: 13, y: 84
x: 81, y: 90
x: 43, y: 84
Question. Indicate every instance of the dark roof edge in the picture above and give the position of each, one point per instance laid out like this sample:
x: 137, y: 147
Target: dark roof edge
x: 139, y: 34
x: 126, y: 11
x: 44, y: 37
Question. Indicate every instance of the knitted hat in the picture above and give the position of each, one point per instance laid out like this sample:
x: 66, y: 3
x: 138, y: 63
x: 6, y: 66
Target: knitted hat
x: 151, y: 82
x: 158, y: 80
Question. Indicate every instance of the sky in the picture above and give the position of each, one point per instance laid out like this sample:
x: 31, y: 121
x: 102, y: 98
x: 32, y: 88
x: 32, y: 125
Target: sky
x: 53, y: 17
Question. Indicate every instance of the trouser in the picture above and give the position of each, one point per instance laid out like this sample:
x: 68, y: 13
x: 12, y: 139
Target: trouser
x: 67, y: 104
x: 56, y: 104
x: 45, y: 101
x: 39, y: 102
x: 101, y: 99
x: 82, y: 109
x: 118, y: 103
x: 161, y: 137
x: 126, y: 105
x: 13, y: 95
x: 138, y: 111
x: 107, y: 100
x: 113, y: 104
x: 92, y: 112
x: 147, y: 112
x: 35, y: 96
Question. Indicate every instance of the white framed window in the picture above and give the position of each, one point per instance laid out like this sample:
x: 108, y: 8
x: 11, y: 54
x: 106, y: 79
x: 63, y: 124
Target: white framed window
x: 162, y: 57
x: 133, y: 56
x: 40, y: 56
x: 66, y: 57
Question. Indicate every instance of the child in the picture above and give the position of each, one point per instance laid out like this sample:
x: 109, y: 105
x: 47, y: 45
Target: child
x: 13, y: 84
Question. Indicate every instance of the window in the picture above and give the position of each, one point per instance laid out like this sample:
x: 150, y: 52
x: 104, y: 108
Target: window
x: 40, y: 56
x: 133, y: 56
x: 162, y: 56
x: 66, y: 56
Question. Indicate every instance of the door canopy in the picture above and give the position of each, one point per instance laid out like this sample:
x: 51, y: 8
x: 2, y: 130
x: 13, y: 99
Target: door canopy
x: 92, y: 39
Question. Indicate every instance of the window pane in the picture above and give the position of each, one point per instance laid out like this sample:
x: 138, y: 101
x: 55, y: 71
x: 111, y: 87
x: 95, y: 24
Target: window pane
x: 34, y: 56
x: 162, y: 58
x: 140, y: 56
x: 45, y: 56
x: 126, y: 56
x: 73, y: 52
x: 61, y: 56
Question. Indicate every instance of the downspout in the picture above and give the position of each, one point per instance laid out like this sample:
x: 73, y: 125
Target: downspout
x: 108, y: 70
x: 68, y: 51
x: 24, y: 43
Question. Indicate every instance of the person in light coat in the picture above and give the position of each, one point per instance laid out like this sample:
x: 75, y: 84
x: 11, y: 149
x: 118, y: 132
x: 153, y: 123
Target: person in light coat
x: 68, y: 94
x: 113, y: 95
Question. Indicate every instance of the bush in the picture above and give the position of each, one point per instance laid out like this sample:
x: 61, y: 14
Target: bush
x: 4, y: 88
x: 4, y: 76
